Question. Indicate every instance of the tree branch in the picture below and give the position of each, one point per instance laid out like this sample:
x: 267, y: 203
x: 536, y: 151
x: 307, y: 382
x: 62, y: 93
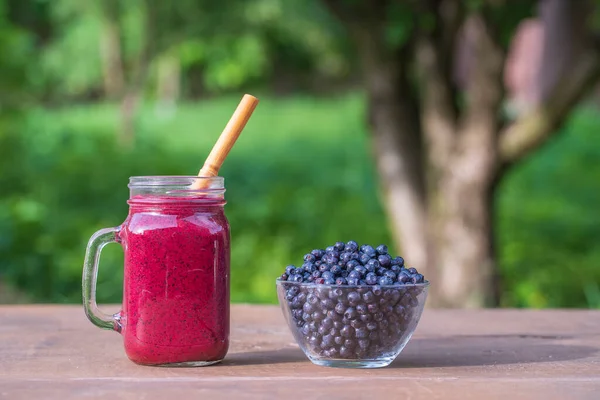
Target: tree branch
x: 532, y: 130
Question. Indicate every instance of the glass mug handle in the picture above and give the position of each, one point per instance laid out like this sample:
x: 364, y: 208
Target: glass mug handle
x: 90, y: 278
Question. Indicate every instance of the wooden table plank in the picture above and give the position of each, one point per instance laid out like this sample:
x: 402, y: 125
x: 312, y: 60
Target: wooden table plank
x: 53, y: 352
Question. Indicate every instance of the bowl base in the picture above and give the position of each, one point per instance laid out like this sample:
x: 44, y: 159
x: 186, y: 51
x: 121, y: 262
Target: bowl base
x: 341, y: 363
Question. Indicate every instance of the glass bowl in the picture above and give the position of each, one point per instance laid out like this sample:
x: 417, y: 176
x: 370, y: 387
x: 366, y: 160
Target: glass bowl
x: 360, y: 326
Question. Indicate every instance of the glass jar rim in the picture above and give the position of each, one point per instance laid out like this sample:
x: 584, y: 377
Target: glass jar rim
x: 153, y: 189
x: 177, y: 180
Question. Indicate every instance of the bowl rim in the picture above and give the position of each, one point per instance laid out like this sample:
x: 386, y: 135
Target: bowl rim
x: 425, y: 284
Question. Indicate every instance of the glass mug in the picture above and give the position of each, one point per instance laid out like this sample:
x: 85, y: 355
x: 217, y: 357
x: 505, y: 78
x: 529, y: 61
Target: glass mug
x: 176, y: 243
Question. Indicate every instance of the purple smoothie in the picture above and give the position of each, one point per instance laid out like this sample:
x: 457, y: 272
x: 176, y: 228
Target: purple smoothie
x: 176, y: 280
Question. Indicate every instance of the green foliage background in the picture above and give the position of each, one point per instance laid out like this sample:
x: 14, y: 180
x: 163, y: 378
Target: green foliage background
x: 311, y: 184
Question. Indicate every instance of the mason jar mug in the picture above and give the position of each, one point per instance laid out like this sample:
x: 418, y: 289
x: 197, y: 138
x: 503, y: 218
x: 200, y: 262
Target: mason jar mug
x: 176, y: 243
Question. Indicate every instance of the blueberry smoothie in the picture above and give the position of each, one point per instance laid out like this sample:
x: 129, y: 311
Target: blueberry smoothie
x: 176, y: 280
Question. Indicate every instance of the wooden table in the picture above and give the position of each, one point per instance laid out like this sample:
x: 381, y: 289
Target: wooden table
x: 53, y: 352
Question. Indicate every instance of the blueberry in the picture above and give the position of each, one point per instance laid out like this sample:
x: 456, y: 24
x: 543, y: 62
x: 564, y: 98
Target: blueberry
x: 404, y: 277
x: 297, y: 314
x: 327, y: 275
x: 413, y: 270
x: 384, y: 281
x: 417, y: 278
x: 290, y: 270
x: 364, y: 258
x: 372, y: 307
x: 305, y: 330
x: 364, y: 344
x: 283, y: 277
x: 390, y: 274
x: 369, y: 250
x: 361, y: 308
x: 380, y: 271
x: 361, y: 270
x: 353, y: 298
x: 368, y: 297
x: 316, y: 274
x: 362, y: 282
x: 339, y: 246
x: 395, y: 268
x: 345, y: 257
x: 365, y: 317
x: 324, y: 267
x: 338, y: 324
x: 328, y: 340
x: 306, y: 317
x: 356, y: 323
x: 296, y: 278
x: 355, y: 255
x: 382, y: 249
x: 319, y: 281
x: 330, y: 249
x: 317, y: 316
x: 385, y: 260
x: 351, y: 246
x: 341, y: 281
x: 308, y: 266
x: 330, y: 281
x: 314, y: 340
x: 318, y: 253
x: 350, y: 313
x: 354, y: 275
x: 398, y: 261
x: 352, y: 281
x: 329, y: 259
x: 347, y: 331
x: 372, y: 265
x: 345, y: 352
x: 309, y: 258
x: 340, y: 308
x: 318, y: 263
x: 336, y: 270
x: 296, y: 304
x: 371, y: 279
x: 372, y: 326
x: 292, y: 292
x: 377, y: 291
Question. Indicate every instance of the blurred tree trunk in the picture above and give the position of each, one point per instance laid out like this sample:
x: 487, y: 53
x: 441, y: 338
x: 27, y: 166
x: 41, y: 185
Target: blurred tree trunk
x: 135, y: 86
x: 110, y: 50
x: 439, y: 161
x: 168, y: 81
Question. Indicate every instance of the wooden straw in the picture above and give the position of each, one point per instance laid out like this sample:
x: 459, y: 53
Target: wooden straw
x: 232, y: 131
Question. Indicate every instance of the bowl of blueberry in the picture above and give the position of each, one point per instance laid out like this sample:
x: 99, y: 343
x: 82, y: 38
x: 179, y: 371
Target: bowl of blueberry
x: 352, y: 306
